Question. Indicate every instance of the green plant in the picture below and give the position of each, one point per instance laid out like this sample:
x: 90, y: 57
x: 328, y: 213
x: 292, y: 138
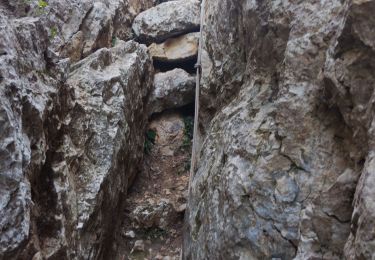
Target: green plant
x: 187, y: 165
x: 188, y: 131
x: 42, y: 4
x: 114, y: 40
x: 53, y: 32
x: 149, y: 140
x: 156, y: 232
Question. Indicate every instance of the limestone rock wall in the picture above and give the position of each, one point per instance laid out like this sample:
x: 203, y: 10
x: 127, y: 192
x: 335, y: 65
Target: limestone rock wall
x: 286, y: 162
x: 71, y: 136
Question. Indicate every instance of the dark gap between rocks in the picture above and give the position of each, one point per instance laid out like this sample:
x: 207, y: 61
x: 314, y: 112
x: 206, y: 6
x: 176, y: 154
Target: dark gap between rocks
x: 187, y: 65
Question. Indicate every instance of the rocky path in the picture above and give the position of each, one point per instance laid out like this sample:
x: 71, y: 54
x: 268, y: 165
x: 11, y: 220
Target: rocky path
x: 155, y: 205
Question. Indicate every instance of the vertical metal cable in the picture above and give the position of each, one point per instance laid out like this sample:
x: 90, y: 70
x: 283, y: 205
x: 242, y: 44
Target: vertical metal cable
x: 198, y: 66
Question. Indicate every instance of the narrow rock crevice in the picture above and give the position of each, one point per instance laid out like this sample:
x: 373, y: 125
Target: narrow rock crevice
x: 155, y: 204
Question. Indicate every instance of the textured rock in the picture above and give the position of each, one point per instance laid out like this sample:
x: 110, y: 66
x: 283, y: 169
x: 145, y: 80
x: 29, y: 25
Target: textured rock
x: 158, y: 215
x: 287, y: 118
x: 167, y: 20
x: 79, y: 27
x: 172, y: 89
x: 26, y: 93
x: 177, y: 49
x: 106, y: 121
x: 66, y: 145
x: 350, y: 81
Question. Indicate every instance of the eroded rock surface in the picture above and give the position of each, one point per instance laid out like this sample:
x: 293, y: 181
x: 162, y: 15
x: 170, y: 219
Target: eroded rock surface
x: 106, y: 120
x: 77, y: 28
x: 67, y: 139
x: 166, y: 20
x: 287, y: 120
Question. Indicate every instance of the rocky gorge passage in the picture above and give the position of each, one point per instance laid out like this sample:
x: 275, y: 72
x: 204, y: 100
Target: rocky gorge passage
x: 93, y: 129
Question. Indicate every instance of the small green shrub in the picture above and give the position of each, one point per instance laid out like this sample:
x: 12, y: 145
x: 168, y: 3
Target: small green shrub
x: 149, y: 140
x: 42, y: 4
x: 53, y: 32
x: 187, y: 165
x: 188, y: 131
x: 114, y: 40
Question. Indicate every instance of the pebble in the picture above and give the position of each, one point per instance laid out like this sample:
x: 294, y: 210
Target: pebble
x: 181, y: 208
x: 139, y: 245
x: 130, y: 234
x: 158, y: 257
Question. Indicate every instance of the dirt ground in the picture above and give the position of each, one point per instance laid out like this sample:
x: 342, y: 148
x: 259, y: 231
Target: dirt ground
x: 155, y: 205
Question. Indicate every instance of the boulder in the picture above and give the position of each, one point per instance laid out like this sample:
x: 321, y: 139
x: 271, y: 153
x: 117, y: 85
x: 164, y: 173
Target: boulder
x: 167, y: 20
x: 158, y: 215
x: 177, y: 49
x: 173, y: 89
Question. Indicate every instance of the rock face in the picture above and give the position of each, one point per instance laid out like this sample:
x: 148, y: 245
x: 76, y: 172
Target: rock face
x: 286, y: 166
x: 80, y: 27
x: 70, y: 142
x: 166, y: 20
x: 286, y: 163
x: 172, y: 89
x: 106, y: 119
x: 177, y: 49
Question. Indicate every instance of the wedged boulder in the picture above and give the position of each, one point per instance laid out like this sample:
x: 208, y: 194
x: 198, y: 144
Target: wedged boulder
x: 167, y: 20
x: 173, y: 89
x: 177, y: 49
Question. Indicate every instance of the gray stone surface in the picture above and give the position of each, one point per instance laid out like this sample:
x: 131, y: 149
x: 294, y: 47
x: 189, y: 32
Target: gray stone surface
x: 79, y: 27
x: 172, y: 89
x: 166, y: 20
x: 70, y: 143
x: 102, y: 148
x: 287, y: 114
x: 25, y: 97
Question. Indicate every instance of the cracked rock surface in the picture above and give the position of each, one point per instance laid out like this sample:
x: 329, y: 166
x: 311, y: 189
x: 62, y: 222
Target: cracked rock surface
x: 286, y: 161
x: 68, y: 133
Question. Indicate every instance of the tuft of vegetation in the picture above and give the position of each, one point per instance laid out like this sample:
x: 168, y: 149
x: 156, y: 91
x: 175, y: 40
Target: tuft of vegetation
x: 154, y: 233
x: 187, y: 165
x: 53, y: 32
x: 149, y: 141
x: 42, y: 4
x: 188, y: 131
x: 114, y: 40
